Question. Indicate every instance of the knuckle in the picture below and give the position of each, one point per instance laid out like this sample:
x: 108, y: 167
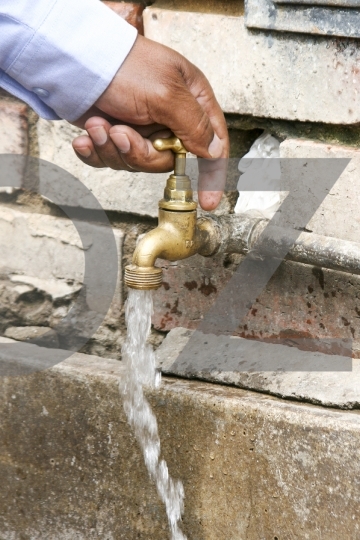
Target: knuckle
x: 165, y: 94
x: 203, y: 131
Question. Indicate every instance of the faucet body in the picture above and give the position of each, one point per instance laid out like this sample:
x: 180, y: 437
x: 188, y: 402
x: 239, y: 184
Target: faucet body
x: 179, y: 234
x: 176, y: 237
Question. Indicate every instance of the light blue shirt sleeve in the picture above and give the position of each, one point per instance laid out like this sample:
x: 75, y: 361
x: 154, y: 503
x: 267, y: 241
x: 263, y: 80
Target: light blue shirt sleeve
x: 59, y: 56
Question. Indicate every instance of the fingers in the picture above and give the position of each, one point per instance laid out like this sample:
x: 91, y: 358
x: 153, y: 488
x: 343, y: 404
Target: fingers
x: 140, y: 155
x: 189, y: 108
x: 199, y: 121
x: 86, y: 152
x: 211, y: 184
x: 181, y: 112
x: 109, y: 154
x: 200, y: 88
x: 212, y: 173
x: 96, y: 149
x: 122, y: 147
x: 93, y: 111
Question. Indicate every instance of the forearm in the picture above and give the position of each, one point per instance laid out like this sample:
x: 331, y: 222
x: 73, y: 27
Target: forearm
x: 59, y: 56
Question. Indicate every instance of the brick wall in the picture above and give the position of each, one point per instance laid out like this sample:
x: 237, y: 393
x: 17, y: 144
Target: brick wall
x: 299, y: 301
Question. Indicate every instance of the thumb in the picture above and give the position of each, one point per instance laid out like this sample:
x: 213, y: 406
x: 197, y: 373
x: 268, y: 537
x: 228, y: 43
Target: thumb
x: 210, y: 110
x: 188, y: 121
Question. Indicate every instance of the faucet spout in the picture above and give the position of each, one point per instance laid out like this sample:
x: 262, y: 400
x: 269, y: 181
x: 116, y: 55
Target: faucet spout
x: 178, y: 236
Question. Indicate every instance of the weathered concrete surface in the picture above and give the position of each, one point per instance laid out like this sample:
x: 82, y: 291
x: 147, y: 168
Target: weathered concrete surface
x: 338, y: 215
x: 136, y: 193
x: 333, y: 381
x: 40, y: 246
x: 40, y: 335
x: 253, y: 466
x: 41, y: 273
x: 294, y: 77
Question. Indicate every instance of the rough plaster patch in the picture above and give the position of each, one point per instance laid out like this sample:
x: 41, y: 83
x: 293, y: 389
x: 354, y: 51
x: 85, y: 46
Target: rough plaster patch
x: 42, y: 246
x: 54, y: 288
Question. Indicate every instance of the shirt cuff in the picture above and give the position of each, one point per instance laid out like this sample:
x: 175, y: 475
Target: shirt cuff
x: 73, y: 56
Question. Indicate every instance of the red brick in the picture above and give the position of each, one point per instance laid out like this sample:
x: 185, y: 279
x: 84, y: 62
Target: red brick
x: 13, y: 125
x: 130, y: 11
x: 188, y: 290
x: 301, y: 306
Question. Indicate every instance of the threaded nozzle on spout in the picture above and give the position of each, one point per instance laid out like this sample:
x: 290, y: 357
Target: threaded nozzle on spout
x: 143, y: 278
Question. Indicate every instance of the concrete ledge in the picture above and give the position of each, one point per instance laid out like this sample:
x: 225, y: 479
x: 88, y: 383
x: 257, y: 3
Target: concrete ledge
x: 279, y: 370
x: 253, y: 466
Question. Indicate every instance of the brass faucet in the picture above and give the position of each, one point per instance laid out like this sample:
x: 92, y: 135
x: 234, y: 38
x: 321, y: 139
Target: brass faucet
x: 179, y: 234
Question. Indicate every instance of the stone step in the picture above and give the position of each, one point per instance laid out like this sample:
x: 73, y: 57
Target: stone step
x: 331, y: 380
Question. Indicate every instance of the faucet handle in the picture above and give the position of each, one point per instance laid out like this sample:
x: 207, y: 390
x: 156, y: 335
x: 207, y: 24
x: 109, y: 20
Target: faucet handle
x: 172, y: 143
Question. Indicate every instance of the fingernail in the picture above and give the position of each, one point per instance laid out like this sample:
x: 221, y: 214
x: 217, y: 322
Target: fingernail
x: 216, y: 147
x: 84, y: 151
x: 98, y: 135
x: 122, y: 141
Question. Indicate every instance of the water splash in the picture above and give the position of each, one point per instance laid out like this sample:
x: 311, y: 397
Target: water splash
x: 139, y: 358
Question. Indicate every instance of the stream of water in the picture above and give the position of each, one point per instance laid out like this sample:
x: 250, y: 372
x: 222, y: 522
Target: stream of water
x: 141, y: 371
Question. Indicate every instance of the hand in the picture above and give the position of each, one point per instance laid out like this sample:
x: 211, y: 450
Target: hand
x: 157, y: 92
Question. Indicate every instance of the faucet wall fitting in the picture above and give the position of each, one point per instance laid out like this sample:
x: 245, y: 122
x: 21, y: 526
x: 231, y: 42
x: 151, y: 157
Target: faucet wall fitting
x: 244, y: 234
x: 179, y: 233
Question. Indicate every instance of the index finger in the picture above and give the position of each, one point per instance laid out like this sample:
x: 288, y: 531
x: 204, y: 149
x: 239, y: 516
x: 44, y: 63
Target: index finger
x: 212, y: 173
x: 211, y: 183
